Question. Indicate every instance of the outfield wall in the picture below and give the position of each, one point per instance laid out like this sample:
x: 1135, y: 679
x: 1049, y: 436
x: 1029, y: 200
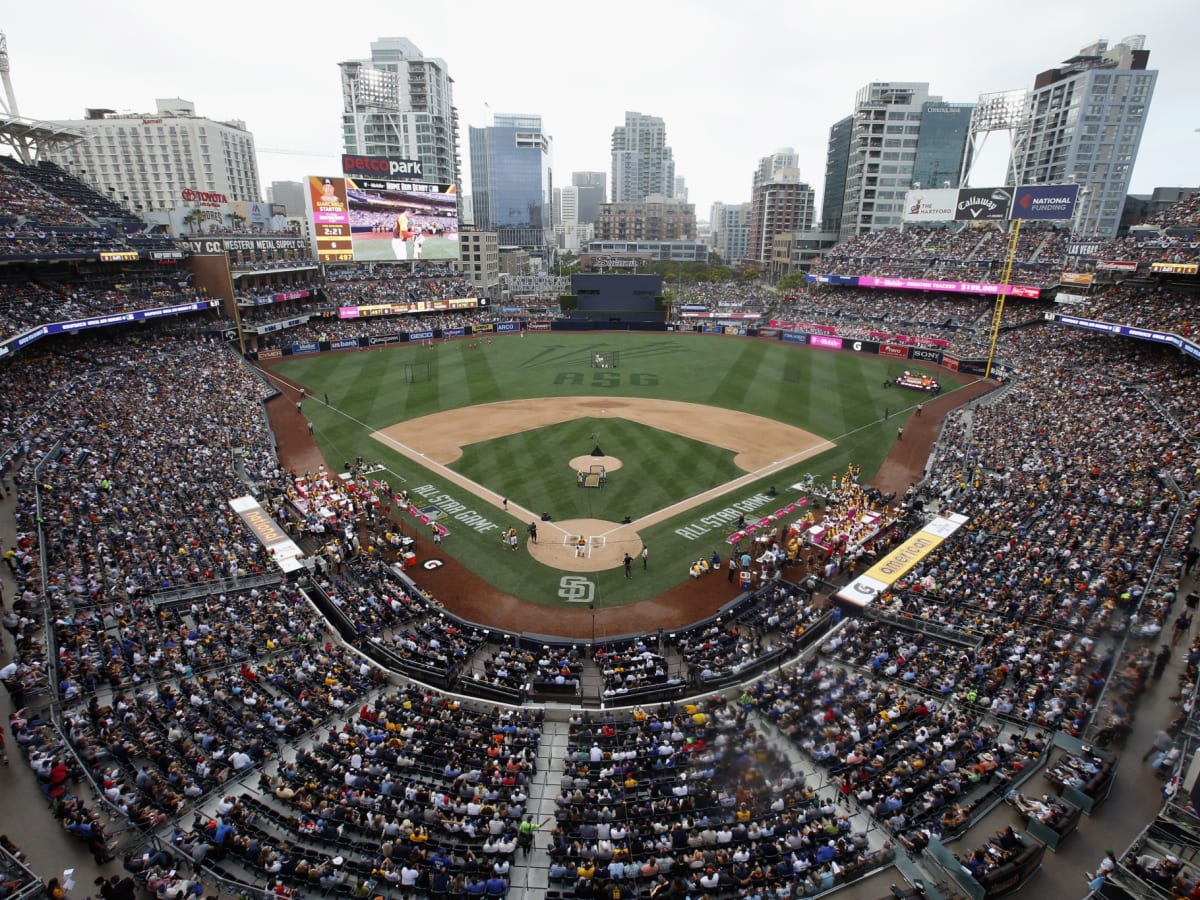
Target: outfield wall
x: 938, y: 356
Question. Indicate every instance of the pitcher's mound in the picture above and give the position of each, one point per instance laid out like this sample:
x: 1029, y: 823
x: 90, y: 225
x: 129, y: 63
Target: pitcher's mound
x: 604, y: 544
x: 584, y: 463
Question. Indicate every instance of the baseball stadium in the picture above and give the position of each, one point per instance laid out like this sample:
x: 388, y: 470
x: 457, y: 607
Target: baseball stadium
x: 875, y: 586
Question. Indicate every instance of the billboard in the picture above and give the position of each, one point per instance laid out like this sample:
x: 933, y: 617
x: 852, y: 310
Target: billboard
x: 1172, y: 268
x: 982, y: 204
x: 1083, y: 248
x: 1044, y: 202
x: 1117, y: 265
x: 402, y: 220
x: 383, y: 167
x: 949, y: 287
x: 863, y: 590
x: 930, y: 206
x: 330, y: 218
x: 1081, y: 278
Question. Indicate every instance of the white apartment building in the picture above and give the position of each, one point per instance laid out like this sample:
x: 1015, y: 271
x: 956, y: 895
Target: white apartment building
x: 154, y: 162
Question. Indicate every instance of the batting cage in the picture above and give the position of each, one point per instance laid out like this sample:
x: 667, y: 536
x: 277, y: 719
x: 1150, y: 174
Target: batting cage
x: 417, y: 372
x: 606, y: 359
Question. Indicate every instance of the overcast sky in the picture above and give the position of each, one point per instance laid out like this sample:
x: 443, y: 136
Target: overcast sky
x: 733, y: 81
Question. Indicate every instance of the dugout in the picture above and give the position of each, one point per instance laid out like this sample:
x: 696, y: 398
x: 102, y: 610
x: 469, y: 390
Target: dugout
x: 618, y: 299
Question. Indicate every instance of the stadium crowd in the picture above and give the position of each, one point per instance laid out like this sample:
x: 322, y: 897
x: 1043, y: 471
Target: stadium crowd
x: 1078, y: 482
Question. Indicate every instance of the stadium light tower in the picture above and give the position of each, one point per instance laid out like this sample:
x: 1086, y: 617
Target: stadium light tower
x: 24, y: 136
x: 10, y: 98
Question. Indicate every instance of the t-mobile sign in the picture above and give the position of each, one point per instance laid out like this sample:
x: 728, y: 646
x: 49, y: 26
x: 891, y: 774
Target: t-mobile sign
x: 823, y: 340
x: 950, y: 287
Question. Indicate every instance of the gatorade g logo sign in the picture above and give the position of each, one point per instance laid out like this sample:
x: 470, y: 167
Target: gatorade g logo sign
x: 380, y: 166
x: 431, y: 564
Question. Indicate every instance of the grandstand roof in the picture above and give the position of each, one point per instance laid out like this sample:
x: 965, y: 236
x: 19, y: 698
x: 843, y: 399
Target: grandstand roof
x: 28, y: 136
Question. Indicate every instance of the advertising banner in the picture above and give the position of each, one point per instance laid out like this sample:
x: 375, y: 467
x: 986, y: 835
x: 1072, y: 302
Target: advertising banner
x: 280, y: 547
x: 920, y: 353
x: 344, y: 344
x: 1171, y: 268
x: 380, y: 340
x: 1083, y: 248
x: 305, y: 347
x: 949, y: 287
x: 419, y: 335
x: 847, y: 280
x: 860, y: 346
x: 538, y: 326
x: 1044, y: 202
x: 950, y: 362
x: 795, y: 337
x: 272, y: 353
x: 897, y: 351
x: 825, y: 342
x: 330, y: 218
x: 1117, y: 265
x: 482, y: 329
x: 1064, y: 297
x: 380, y: 167
x: 453, y: 332
x: 1145, y: 334
x: 863, y: 590
x: 819, y: 329
x: 508, y: 326
x: 1081, y: 278
x: 166, y: 255
x: 930, y: 206
x: 983, y: 204
x: 768, y: 332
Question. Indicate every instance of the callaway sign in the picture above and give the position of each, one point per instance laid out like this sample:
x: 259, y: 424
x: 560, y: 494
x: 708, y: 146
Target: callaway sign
x: 982, y: 204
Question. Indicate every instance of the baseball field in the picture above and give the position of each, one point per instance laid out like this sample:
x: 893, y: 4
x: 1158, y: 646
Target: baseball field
x: 662, y: 448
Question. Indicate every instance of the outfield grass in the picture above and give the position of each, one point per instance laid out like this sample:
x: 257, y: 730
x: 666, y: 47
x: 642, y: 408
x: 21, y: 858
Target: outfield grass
x: 658, y: 468
x: 838, y: 396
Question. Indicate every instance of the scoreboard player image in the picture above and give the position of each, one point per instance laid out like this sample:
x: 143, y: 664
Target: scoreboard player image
x: 406, y: 222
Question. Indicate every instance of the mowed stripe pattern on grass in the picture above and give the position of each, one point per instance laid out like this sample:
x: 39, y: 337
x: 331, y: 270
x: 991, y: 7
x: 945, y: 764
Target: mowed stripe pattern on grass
x: 836, y: 395
x: 658, y: 468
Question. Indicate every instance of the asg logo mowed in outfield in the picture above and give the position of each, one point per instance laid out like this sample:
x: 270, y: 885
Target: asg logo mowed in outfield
x: 576, y: 589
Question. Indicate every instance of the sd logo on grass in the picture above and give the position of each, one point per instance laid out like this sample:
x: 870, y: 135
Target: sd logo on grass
x: 576, y: 589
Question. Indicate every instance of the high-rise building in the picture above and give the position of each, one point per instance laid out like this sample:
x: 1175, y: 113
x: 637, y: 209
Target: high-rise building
x: 658, y: 218
x: 593, y: 190
x: 881, y: 143
x: 770, y: 166
x: 1085, y: 124
x: 681, y: 192
x: 782, y: 204
x: 512, y: 182
x: 289, y: 194
x: 154, y: 162
x: 730, y: 229
x: 837, y: 160
x: 566, y: 207
x: 479, y: 253
x: 941, y: 145
x: 400, y: 103
x: 642, y: 163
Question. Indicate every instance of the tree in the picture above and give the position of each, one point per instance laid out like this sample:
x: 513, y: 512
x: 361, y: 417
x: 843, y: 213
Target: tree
x: 791, y: 283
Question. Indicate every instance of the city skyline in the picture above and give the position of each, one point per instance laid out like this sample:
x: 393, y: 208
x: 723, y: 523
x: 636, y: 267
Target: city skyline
x: 731, y: 86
